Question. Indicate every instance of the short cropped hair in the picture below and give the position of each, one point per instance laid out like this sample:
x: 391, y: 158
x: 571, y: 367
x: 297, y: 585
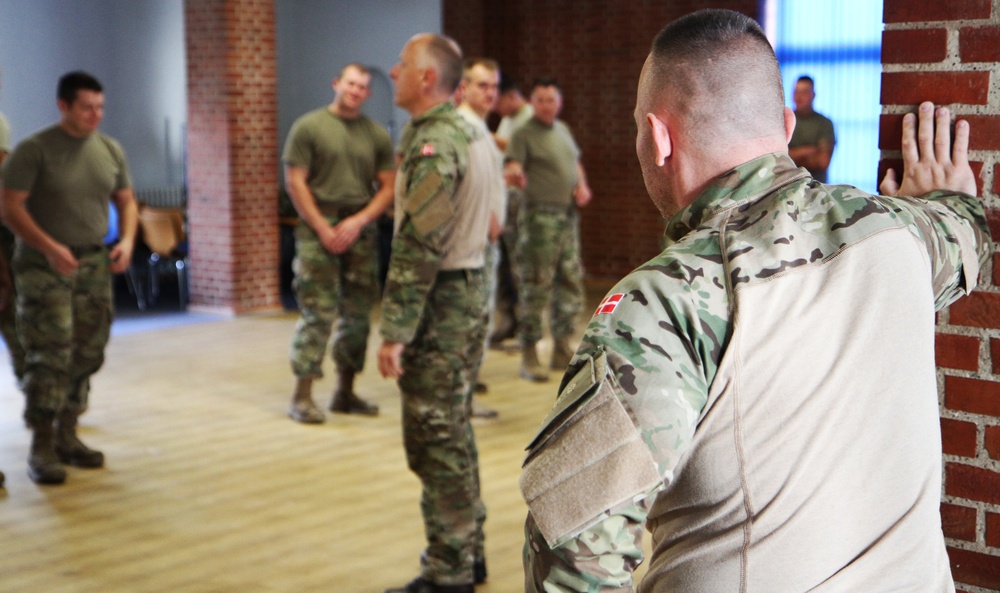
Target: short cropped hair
x: 717, y: 69
x: 356, y: 66
x: 508, y: 84
x: 446, y: 56
x: 72, y: 82
x: 470, y: 63
x: 545, y: 82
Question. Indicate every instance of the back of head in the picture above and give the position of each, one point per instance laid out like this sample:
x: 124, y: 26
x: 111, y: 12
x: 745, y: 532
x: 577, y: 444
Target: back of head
x: 444, y: 55
x: 717, y: 71
x: 72, y: 82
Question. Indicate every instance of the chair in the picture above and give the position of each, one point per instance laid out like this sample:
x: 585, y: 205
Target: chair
x: 163, y: 233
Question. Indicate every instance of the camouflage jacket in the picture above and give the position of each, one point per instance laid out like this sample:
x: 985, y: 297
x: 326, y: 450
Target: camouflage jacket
x: 739, y: 318
x: 440, y: 223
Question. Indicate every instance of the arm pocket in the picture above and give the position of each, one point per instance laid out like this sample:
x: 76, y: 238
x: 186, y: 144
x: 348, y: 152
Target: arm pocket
x: 588, y: 457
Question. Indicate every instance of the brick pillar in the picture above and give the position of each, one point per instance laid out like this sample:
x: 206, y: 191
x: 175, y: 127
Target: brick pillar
x: 232, y: 154
x: 947, y: 52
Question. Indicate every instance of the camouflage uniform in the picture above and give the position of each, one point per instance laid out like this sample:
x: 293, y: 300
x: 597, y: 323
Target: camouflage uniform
x: 548, y: 241
x: 64, y: 324
x: 8, y: 316
x: 332, y: 288
x: 434, y: 302
x: 344, y: 157
x: 780, y: 302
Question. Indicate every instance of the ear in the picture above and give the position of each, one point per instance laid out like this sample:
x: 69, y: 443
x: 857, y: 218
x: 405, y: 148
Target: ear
x: 662, y: 142
x: 789, y: 124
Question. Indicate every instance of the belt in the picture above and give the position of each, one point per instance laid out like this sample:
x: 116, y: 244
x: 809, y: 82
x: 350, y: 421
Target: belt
x: 462, y: 274
x: 339, y: 211
x: 86, y: 250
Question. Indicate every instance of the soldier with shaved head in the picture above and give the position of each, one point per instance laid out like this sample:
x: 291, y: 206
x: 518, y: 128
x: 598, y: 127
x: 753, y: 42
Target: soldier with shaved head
x: 762, y: 394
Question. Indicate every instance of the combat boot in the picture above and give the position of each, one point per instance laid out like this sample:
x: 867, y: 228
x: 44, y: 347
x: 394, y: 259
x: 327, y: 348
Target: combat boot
x: 345, y: 401
x: 530, y: 367
x: 2, y: 478
x: 69, y: 448
x: 302, y: 408
x: 561, y: 355
x: 43, y: 464
x: 419, y: 585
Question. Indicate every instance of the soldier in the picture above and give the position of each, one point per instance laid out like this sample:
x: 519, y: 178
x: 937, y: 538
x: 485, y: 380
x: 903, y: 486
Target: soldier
x: 333, y: 157
x: 544, y: 160
x: 57, y: 186
x: 432, y: 323
x: 769, y: 377
x: 812, y: 142
x: 480, y: 78
x: 7, y: 320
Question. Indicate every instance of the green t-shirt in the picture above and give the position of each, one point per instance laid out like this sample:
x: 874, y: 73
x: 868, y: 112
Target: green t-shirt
x: 549, y: 156
x: 69, y: 182
x: 343, y: 156
x: 810, y: 130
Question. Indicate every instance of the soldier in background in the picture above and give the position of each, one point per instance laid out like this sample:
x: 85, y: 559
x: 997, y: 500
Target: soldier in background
x: 432, y: 323
x: 334, y: 156
x: 544, y: 160
x: 57, y: 187
x: 813, y: 140
x: 770, y: 375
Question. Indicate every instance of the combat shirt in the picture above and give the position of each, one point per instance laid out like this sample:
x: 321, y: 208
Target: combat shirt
x: 763, y: 393
x: 441, y: 215
x: 69, y: 182
x: 343, y: 156
x: 498, y: 193
x: 811, y: 130
x: 549, y: 156
x: 510, y: 123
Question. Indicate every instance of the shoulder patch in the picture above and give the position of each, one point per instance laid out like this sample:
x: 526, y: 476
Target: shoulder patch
x: 609, y: 304
x: 427, y: 150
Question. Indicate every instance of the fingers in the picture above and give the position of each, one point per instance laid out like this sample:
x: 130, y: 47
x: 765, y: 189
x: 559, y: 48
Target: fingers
x: 925, y: 129
x: 909, y: 145
x: 960, y: 150
x: 889, y: 185
x: 942, y: 135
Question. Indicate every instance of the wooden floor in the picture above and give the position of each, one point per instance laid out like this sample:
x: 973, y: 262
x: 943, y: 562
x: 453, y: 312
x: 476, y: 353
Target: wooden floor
x: 209, y: 487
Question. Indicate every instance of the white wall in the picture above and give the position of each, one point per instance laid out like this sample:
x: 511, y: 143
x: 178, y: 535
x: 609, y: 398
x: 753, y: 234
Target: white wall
x: 134, y: 47
x: 316, y: 38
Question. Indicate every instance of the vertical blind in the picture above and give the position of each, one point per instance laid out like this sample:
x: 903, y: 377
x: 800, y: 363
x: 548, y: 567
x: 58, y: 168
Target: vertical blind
x: 838, y: 43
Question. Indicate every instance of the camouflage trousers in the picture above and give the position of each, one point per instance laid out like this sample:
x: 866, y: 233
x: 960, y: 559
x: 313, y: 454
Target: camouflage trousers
x: 8, y: 316
x: 335, y: 293
x: 507, y: 266
x: 63, y: 323
x: 551, y: 271
x: 489, y: 299
x: 440, y: 445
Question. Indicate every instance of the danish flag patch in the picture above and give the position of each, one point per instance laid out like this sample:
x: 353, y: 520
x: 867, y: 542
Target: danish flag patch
x: 609, y: 304
x: 427, y: 149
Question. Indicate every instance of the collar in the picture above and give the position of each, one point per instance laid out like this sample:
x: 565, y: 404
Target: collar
x: 439, y: 110
x: 740, y: 186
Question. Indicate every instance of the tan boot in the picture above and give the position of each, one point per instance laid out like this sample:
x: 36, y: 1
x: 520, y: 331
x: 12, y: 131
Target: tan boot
x: 530, y: 367
x: 70, y: 448
x: 345, y: 401
x: 44, y: 466
x: 561, y: 355
x: 481, y: 411
x: 303, y: 409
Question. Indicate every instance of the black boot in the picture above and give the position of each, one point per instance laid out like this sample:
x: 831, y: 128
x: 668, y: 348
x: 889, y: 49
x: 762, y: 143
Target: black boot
x: 303, y: 409
x: 419, y: 585
x: 345, y: 401
x: 44, y: 466
x: 69, y: 448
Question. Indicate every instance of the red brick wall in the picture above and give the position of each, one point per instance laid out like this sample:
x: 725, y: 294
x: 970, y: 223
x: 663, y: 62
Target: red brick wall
x: 946, y: 51
x: 232, y: 148
x: 595, y: 48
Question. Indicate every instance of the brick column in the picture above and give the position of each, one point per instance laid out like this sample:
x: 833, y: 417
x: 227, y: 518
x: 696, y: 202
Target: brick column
x: 232, y: 154
x: 947, y: 52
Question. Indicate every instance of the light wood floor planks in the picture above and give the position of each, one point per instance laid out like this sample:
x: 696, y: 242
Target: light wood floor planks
x: 210, y: 488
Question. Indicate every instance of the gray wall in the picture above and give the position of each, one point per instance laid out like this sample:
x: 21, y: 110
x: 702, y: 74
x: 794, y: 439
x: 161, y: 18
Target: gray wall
x: 316, y: 38
x: 136, y: 49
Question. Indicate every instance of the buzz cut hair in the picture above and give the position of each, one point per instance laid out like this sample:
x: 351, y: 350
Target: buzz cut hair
x: 72, y: 82
x: 445, y: 55
x: 470, y: 63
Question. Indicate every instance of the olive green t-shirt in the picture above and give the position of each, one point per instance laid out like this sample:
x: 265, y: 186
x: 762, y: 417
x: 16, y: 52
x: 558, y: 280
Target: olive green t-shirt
x: 343, y: 156
x: 549, y: 156
x: 69, y: 182
x: 811, y: 130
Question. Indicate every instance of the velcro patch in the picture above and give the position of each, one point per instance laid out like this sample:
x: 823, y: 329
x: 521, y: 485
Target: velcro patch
x: 428, y: 205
